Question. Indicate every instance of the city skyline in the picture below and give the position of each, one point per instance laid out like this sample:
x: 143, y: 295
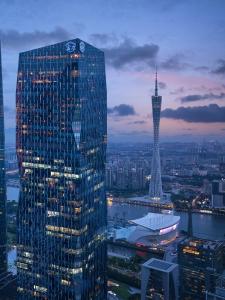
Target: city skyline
x: 191, y: 67
x: 112, y: 149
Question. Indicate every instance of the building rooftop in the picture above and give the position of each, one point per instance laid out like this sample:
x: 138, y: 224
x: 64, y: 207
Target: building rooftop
x: 160, y: 265
x: 155, y: 221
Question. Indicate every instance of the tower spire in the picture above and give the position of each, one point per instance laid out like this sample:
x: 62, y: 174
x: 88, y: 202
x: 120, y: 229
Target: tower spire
x: 156, y: 82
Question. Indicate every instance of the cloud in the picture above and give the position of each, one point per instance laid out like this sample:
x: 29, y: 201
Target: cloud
x: 162, y: 85
x: 136, y: 132
x: 210, y: 96
x: 171, y: 4
x: 128, y: 52
x: 202, y: 68
x: 175, y: 62
x: 138, y: 122
x: 220, y: 69
x: 122, y: 110
x: 188, y: 129
x: 198, y: 114
x: 177, y: 91
x: 16, y: 40
x: 102, y: 38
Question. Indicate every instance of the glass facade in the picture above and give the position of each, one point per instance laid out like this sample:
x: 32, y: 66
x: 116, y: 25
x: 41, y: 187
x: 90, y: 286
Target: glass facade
x: 3, y: 254
x: 61, y: 147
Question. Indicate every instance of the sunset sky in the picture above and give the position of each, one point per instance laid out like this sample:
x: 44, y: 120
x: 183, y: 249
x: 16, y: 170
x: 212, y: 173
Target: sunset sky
x: 185, y: 38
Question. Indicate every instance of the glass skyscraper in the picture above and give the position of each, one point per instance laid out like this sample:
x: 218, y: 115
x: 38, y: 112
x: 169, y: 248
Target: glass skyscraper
x: 61, y: 147
x: 3, y: 254
x: 155, y: 187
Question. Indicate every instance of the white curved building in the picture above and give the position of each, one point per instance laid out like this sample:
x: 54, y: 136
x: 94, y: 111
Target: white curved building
x: 154, y: 229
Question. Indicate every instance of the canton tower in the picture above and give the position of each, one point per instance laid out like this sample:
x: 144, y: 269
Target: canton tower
x: 155, y: 187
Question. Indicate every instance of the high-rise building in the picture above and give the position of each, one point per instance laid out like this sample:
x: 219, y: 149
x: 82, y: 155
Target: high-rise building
x: 109, y: 178
x: 155, y: 187
x: 61, y: 147
x: 218, y: 193
x: 159, y: 280
x: 3, y: 239
x: 200, y: 263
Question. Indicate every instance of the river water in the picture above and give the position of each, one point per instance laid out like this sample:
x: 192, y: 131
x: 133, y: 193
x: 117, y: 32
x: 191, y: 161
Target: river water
x: 204, y: 225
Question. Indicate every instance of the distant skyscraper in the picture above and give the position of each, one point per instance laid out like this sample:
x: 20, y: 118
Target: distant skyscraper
x: 190, y: 225
x: 3, y: 254
x: 61, y: 149
x: 155, y: 187
x: 218, y: 193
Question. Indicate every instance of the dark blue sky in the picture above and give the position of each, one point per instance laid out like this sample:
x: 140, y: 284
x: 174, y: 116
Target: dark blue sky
x: 186, y: 38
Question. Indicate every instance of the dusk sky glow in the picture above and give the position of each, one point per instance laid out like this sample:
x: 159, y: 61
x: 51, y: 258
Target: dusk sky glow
x: 185, y: 38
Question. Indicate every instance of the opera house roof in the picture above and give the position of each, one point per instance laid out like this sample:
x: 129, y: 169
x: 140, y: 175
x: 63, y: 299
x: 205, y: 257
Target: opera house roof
x: 156, y: 221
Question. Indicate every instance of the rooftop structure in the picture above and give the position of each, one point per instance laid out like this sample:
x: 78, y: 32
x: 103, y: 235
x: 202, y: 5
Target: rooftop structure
x: 157, y: 222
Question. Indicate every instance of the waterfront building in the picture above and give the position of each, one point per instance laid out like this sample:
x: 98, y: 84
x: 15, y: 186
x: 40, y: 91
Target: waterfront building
x: 159, y: 280
x: 61, y: 148
x: 218, y: 193
x: 155, y: 186
x: 3, y: 239
x: 200, y: 263
x: 154, y: 229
